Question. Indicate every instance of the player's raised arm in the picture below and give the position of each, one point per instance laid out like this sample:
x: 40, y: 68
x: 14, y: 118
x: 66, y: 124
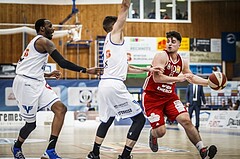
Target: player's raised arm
x: 117, y: 32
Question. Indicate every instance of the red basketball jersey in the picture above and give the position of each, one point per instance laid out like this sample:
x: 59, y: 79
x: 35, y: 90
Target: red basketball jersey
x: 172, y: 69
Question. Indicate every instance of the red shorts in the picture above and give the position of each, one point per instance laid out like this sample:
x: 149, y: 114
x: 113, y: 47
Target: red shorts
x: 156, y: 107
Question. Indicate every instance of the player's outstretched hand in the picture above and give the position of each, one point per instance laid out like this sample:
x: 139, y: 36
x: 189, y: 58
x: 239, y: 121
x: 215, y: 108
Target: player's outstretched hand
x: 181, y: 78
x: 95, y: 70
x: 56, y: 73
x: 189, y: 77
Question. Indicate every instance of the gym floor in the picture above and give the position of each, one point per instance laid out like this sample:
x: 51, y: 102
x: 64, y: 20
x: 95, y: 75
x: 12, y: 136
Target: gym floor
x: 76, y: 141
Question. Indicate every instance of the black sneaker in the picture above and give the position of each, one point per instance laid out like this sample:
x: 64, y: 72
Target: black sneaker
x: 91, y: 155
x: 208, y: 152
x: 129, y: 157
x: 153, y: 144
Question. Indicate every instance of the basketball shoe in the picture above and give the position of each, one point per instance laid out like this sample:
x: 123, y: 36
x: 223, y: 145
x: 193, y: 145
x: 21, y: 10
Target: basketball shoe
x: 50, y: 154
x: 208, y: 152
x: 129, y: 157
x: 91, y: 155
x: 153, y: 144
x: 17, y: 153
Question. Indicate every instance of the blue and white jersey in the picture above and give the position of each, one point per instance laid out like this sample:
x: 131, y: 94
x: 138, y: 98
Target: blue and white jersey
x: 115, y: 60
x: 32, y: 63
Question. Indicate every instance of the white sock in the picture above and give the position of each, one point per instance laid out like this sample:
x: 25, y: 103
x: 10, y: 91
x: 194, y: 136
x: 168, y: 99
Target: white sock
x: 199, y: 145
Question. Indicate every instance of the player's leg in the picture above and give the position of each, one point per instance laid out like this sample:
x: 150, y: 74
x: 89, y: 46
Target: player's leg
x: 100, y: 135
x: 26, y: 93
x: 23, y: 135
x: 133, y: 135
x: 175, y: 110
x: 49, y: 100
x: 153, y: 106
x: 194, y: 136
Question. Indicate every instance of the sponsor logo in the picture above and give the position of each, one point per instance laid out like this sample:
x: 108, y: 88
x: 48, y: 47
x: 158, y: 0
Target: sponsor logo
x: 231, y: 38
x: 11, y: 96
x: 85, y: 96
x: 153, y: 118
x: 125, y: 111
x: 27, y: 108
x: 122, y: 105
x: 233, y: 122
x: 178, y: 69
x: 10, y: 117
x: 165, y: 88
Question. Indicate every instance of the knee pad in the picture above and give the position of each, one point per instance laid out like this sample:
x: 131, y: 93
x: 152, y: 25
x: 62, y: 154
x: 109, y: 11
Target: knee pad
x: 136, y: 127
x: 103, y: 127
x: 27, y: 129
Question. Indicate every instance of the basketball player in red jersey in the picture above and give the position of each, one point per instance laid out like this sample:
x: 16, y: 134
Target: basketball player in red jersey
x: 160, y: 99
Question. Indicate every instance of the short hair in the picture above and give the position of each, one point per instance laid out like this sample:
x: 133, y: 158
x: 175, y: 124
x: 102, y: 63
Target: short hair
x: 108, y: 23
x: 174, y: 34
x: 39, y: 23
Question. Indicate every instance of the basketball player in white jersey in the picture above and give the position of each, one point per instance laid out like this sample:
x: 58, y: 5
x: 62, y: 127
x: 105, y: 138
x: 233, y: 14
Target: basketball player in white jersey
x: 32, y: 91
x: 114, y: 100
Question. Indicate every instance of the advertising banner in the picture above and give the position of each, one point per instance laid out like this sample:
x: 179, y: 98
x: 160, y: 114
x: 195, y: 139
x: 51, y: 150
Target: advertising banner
x: 219, y: 119
x: 73, y: 93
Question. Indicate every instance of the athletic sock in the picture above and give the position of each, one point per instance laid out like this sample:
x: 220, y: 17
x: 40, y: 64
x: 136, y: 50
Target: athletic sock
x: 18, y: 144
x: 96, y: 148
x: 199, y: 145
x: 126, y: 151
x: 52, y: 142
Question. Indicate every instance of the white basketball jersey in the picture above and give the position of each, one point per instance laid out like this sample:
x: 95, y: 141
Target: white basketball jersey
x: 115, y: 60
x: 32, y: 63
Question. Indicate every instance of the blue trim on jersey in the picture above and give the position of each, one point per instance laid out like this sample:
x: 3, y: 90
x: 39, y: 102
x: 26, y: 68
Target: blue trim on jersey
x: 30, y: 77
x: 112, y: 79
x: 113, y: 42
x: 26, y: 117
x: 47, y: 104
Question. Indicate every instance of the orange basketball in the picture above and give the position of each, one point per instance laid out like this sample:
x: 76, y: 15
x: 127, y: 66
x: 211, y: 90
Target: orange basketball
x: 217, y: 81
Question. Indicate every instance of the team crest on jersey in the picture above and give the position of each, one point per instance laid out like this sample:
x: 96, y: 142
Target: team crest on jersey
x: 178, y: 69
x: 169, y: 66
x: 108, y: 54
x: 25, y: 54
x: 27, y: 108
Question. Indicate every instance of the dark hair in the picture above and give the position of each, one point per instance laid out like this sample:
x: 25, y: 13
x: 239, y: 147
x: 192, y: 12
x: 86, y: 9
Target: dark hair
x: 39, y: 23
x: 174, y: 34
x: 108, y: 23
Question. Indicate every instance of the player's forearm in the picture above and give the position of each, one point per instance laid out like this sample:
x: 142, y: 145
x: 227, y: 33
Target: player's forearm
x: 124, y: 11
x: 161, y: 78
x: 135, y: 69
x: 57, y: 57
x: 199, y: 80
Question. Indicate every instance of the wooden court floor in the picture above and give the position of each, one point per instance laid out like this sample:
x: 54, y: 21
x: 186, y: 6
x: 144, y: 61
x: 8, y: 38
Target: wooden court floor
x: 76, y: 141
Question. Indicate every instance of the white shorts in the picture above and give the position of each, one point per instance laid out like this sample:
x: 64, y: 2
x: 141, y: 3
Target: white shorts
x: 115, y: 100
x: 32, y: 95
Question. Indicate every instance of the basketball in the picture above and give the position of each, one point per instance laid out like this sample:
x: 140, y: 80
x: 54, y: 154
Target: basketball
x: 217, y: 81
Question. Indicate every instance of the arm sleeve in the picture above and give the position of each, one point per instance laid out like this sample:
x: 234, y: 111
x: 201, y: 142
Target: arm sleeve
x: 59, y: 59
